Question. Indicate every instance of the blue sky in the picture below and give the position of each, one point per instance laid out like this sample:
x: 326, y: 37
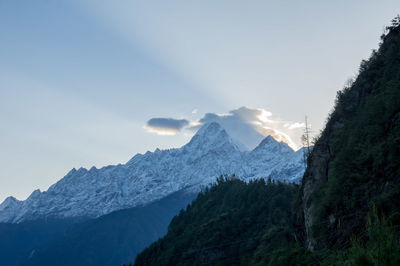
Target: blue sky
x: 80, y: 79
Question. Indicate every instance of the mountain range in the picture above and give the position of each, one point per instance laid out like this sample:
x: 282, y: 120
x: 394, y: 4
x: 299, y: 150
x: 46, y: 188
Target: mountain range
x: 211, y: 152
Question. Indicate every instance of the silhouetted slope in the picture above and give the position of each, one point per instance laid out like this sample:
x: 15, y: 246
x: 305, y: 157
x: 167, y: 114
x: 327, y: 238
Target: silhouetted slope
x: 355, y: 163
x: 20, y: 241
x: 224, y: 225
x: 114, y: 238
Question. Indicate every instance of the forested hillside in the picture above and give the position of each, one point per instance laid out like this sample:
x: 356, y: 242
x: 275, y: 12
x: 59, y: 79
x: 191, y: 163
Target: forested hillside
x: 227, y: 224
x: 355, y: 164
x: 347, y: 210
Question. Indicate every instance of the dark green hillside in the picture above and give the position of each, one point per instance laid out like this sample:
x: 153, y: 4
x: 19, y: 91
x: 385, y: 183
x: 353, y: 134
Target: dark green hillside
x: 228, y: 224
x: 355, y: 164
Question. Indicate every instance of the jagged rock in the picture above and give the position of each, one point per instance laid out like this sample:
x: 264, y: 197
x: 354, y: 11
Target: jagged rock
x: 153, y: 175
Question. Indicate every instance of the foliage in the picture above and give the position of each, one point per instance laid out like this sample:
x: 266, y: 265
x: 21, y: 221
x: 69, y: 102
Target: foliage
x: 228, y: 224
x: 279, y: 247
x: 381, y: 247
x: 363, y: 133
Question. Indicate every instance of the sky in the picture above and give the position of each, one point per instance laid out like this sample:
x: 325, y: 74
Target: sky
x: 92, y: 83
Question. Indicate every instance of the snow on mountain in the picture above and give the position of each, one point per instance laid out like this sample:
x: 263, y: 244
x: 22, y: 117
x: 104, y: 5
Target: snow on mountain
x: 153, y: 175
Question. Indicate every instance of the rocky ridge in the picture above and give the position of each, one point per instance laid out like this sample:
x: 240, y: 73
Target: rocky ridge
x: 153, y: 175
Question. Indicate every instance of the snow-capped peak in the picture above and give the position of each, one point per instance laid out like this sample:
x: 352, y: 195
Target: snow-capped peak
x: 153, y: 175
x: 210, y: 130
x: 210, y: 136
x: 268, y: 140
x: 9, y: 202
x: 270, y: 144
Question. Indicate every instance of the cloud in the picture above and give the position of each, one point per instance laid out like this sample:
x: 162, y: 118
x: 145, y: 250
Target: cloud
x: 250, y: 126
x: 247, y: 126
x: 165, y: 126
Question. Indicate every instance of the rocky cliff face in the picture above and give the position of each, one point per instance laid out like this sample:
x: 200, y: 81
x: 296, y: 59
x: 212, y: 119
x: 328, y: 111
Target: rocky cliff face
x: 354, y: 163
x: 319, y: 165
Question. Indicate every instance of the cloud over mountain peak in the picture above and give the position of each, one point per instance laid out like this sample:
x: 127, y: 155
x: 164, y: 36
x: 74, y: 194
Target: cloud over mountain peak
x: 247, y: 126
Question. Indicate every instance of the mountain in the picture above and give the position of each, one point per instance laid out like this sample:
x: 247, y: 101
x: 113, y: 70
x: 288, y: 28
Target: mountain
x: 354, y: 167
x: 147, y: 177
x: 347, y: 209
x: 73, y: 242
x: 125, y: 233
x: 18, y: 242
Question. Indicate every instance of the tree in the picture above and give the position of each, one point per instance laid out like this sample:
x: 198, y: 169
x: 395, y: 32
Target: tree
x: 305, y: 140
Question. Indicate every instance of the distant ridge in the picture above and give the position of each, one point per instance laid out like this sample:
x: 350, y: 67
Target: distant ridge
x: 147, y: 177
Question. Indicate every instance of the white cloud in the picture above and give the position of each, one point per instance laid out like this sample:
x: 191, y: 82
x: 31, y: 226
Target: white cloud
x: 250, y: 126
x: 296, y: 125
x: 246, y: 125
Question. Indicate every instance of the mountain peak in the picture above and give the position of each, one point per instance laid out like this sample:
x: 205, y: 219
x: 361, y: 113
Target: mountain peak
x: 210, y: 129
x: 145, y: 178
x: 35, y: 194
x: 270, y: 143
x: 9, y: 203
x: 10, y: 199
x: 209, y: 137
x: 268, y: 140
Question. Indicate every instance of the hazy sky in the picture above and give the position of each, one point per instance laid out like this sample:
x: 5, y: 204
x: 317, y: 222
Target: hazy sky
x: 79, y: 80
